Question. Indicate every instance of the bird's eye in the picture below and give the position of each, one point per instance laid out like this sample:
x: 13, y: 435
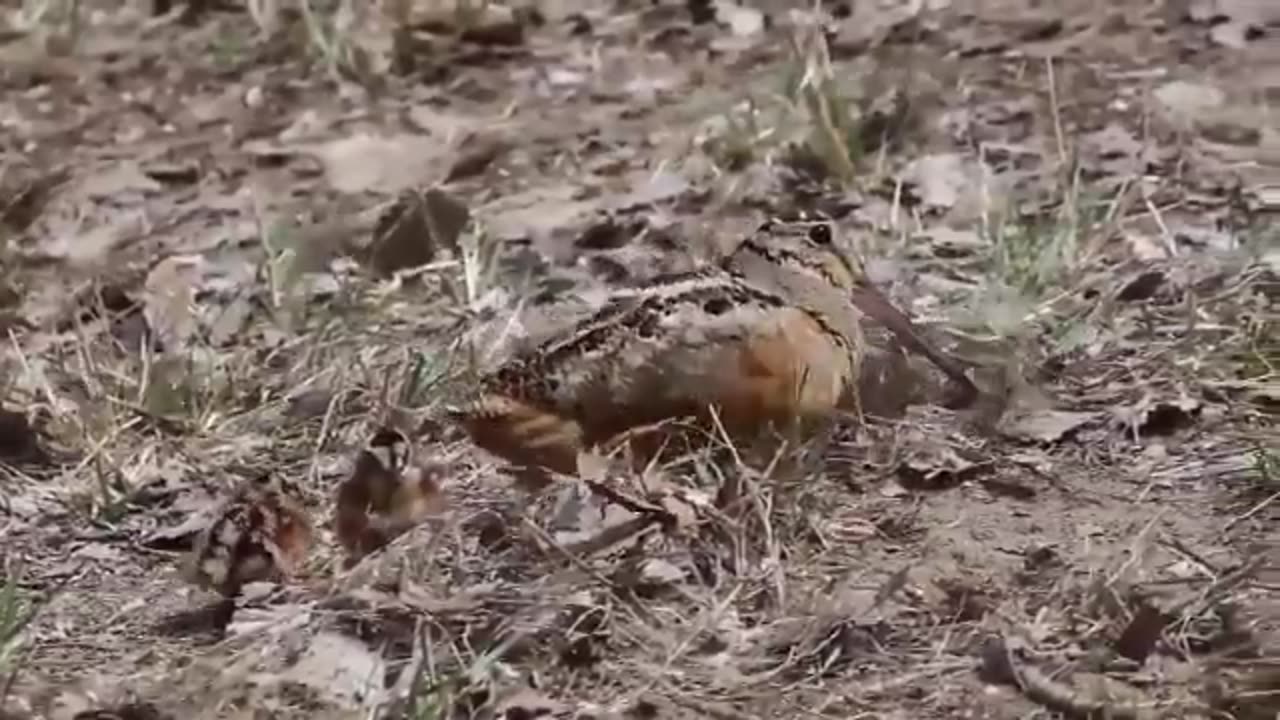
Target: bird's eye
x: 820, y: 234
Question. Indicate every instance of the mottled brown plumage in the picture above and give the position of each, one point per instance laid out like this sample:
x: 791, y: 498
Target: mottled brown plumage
x: 385, y: 495
x: 769, y: 340
x: 262, y: 533
x: 795, y: 271
x: 774, y: 335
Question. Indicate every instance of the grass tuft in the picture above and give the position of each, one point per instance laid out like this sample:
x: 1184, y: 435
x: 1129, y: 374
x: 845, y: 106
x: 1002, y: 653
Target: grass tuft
x: 814, y: 115
x: 15, y: 613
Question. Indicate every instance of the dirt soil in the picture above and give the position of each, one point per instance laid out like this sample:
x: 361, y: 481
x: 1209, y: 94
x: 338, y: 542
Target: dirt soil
x: 238, y: 239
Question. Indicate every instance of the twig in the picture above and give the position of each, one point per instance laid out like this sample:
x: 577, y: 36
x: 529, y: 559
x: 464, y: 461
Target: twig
x: 880, y: 687
x: 719, y: 711
x: 1071, y: 702
x: 998, y: 664
x: 1219, y: 587
x: 639, y: 507
x: 564, y: 552
x: 1252, y: 511
x: 612, y: 535
x: 30, y: 618
x: 1056, y: 111
x: 707, y: 618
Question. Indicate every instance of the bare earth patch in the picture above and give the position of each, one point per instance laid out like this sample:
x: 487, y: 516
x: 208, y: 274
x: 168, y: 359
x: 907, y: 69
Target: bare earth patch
x: 239, y: 239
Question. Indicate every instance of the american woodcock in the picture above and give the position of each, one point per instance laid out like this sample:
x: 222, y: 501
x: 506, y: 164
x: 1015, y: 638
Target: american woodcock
x: 385, y: 495
x: 262, y: 533
x: 803, y: 273
x: 773, y: 335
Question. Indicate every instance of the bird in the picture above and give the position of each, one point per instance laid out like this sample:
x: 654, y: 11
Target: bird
x: 796, y: 271
x: 261, y: 533
x: 385, y: 495
x: 767, y: 338
x: 776, y: 333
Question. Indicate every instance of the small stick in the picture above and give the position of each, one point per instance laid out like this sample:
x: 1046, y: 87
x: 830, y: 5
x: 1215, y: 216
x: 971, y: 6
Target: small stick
x: 871, y: 301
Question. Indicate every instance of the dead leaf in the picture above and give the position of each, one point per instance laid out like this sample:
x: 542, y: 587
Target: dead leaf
x: 653, y: 188
x: 475, y: 156
x: 116, y: 182
x: 529, y: 703
x: 492, y: 530
x: 648, y: 577
x: 309, y: 403
x: 1265, y: 395
x: 683, y: 505
x: 1235, y: 22
x: 10, y: 295
x: 945, y: 242
x: 1009, y: 487
x: 172, y: 173
x: 128, y: 711
x: 85, y: 231
x: 1033, y: 460
x: 1145, y: 247
x: 99, y: 299
x: 182, y: 536
x: 23, y: 196
x: 535, y: 213
x: 371, y: 34
x: 593, y: 467
x: 1191, y: 234
x: 19, y: 443
x: 1114, y: 150
x: 1268, y: 198
x: 608, y: 233
x: 231, y: 320
x: 1231, y: 131
x: 933, y: 467
x: 386, y: 164
x: 1151, y: 416
x: 490, y: 23
x: 1142, y: 633
x: 872, y: 23
x: 186, y: 298
x: 169, y: 299
x: 447, y: 216
x: 415, y: 229
x: 340, y: 669
x: 1042, y: 425
x: 101, y: 552
x: 1141, y: 287
x: 942, y: 179
x: 888, y: 382
x: 743, y: 21
x: 581, y: 514
x: 1188, y: 101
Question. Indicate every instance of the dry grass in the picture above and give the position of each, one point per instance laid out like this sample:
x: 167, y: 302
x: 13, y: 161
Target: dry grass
x: 787, y: 582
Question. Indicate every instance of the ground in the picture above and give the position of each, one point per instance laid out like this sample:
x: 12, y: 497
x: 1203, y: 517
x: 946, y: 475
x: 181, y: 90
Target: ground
x: 237, y: 241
